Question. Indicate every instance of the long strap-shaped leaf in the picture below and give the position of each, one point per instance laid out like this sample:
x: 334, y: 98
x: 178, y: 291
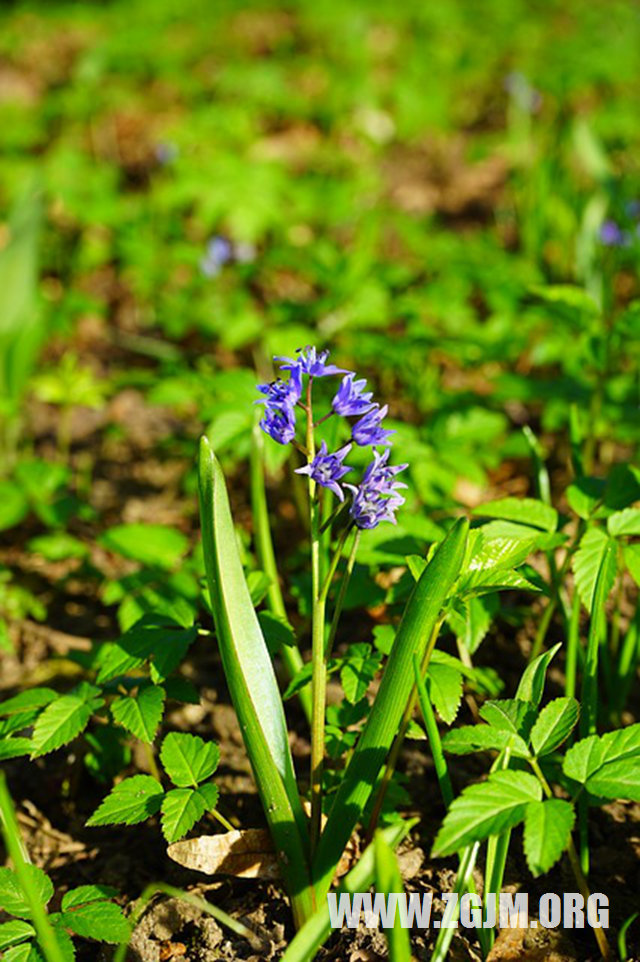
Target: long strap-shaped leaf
x: 252, y: 684
x: 423, y: 608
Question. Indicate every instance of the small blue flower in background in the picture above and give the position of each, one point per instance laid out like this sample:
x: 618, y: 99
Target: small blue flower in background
x: 527, y: 98
x: 165, y: 152
x: 350, y: 401
x: 611, y: 234
x: 376, y: 498
x: 327, y: 469
x: 219, y: 252
x: 368, y: 429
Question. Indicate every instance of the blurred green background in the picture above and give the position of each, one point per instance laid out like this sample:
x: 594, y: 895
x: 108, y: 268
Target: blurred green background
x: 432, y: 190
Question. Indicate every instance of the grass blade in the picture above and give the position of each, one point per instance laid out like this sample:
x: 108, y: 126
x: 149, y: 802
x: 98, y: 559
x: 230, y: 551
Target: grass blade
x: 388, y: 880
x: 420, y: 617
x: 252, y: 683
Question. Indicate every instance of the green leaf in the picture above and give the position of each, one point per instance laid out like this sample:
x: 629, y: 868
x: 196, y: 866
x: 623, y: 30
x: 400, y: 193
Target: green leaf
x: 631, y: 554
x: 14, y: 748
x: 98, y: 920
x: 445, y: 690
x: 188, y: 759
x: 20, y: 953
x: 471, y: 618
x: 155, y: 545
x: 162, y: 641
x: 547, y: 830
x: 14, y: 505
x: 277, y: 631
x: 491, y: 561
x: 65, y: 718
x: 509, y: 714
x: 181, y: 809
x: 58, y: 546
x: 624, y: 522
x: 528, y: 511
x: 12, y: 933
x: 64, y: 941
x: 210, y: 793
x: 596, y: 552
x: 84, y: 894
x: 12, y: 899
x: 607, y: 765
x: 358, y: 671
x: 420, y: 617
x: 576, y: 299
x: 481, y: 738
x: 388, y: 880
x: 584, y: 496
x: 131, y: 801
x: 252, y: 683
x: 554, y: 724
x: 486, y: 809
x: 531, y: 684
x: 140, y: 714
x: 31, y: 698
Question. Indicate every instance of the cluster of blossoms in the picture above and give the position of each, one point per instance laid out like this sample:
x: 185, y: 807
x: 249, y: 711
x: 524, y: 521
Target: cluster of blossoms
x: 376, y: 498
x: 612, y: 234
x: 221, y: 251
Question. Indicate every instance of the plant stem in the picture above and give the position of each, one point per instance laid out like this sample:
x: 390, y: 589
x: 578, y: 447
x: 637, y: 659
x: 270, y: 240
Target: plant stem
x: 290, y: 654
x: 319, y: 665
x: 153, y: 765
x: 223, y: 821
x: 433, y: 735
x: 573, y: 643
x: 344, y: 584
x: 13, y: 840
x: 543, y: 628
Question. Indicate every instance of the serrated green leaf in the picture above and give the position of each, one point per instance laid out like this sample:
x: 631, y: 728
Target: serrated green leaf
x: 65, y: 718
x: 444, y: 685
x: 277, y: 631
x: 210, y: 793
x: 481, y: 738
x: 553, y: 725
x: 509, y: 714
x: 14, y: 505
x: 584, y: 496
x: 12, y: 899
x: 491, y: 561
x: 528, y: 511
x: 14, y: 932
x: 131, y: 801
x: 19, y: 953
x: 531, y: 684
x: 188, y: 759
x: 31, y: 698
x: 14, y: 748
x: 181, y: 809
x: 181, y: 689
x: 140, y: 714
x: 101, y: 920
x: 358, y: 671
x: 84, y: 894
x: 624, y: 522
x: 575, y: 299
x: 165, y: 643
x: 596, y: 552
x: 608, y: 765
x: 65, y: 943
x: 155, y: 545
x: 471, y: 618
x: 547, y: 830
x: 486, y: 809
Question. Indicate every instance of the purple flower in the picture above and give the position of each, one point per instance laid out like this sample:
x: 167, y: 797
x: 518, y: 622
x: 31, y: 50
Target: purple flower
x: 610, y: 234
x: 219, y: 252
x: 279, y: 422
x: 165, y: 152
x: 368, y: 429
x: 327, y: 469
x: 280, y: 392
x: 350, y: 401
x: 369, y: 507
x: 310, y: 362
x: 525, y: 96
x: 379, y: 476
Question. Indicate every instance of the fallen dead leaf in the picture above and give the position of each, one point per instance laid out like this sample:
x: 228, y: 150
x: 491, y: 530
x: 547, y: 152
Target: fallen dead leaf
x: 532, y: 945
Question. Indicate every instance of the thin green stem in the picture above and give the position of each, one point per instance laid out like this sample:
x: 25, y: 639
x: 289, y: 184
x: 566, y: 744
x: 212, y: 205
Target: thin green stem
x: 319, y: 665
x: 573, y: 644
x: 13, y: 840
x: 290, y: 654
x: 153, y: 765
x: 433, y: 736
x: 223, y: 821
x: 344, y: 584
x: 543, y: 628
x: 335, y: 561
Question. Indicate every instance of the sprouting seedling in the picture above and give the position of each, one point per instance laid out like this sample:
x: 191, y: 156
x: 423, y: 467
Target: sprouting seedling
x: 375, y: 499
